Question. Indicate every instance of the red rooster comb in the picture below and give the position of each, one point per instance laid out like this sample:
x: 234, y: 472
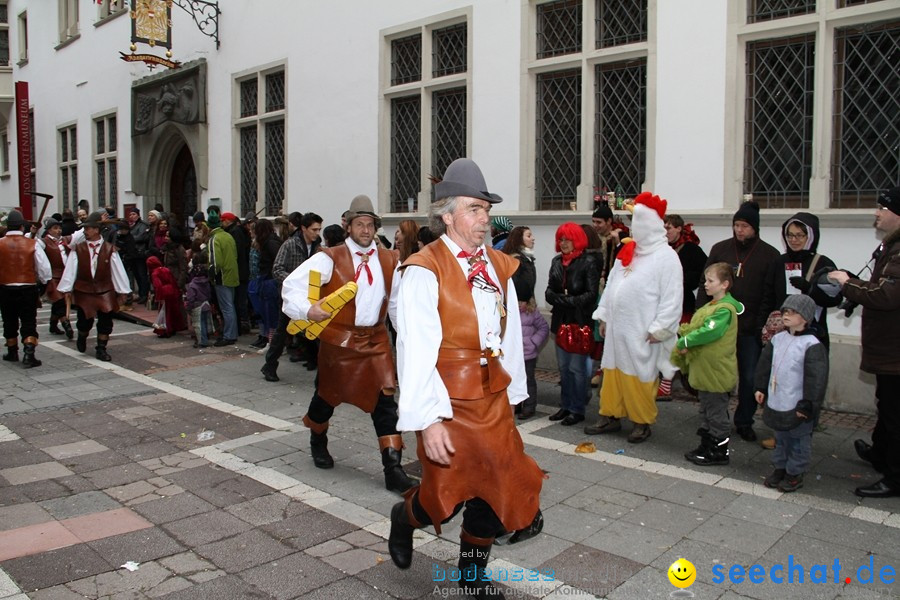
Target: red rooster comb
x: 653, y: 202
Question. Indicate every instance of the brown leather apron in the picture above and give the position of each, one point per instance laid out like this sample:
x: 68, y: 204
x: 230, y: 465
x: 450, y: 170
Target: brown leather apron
x: 355, y: 363
x: 490, y: 461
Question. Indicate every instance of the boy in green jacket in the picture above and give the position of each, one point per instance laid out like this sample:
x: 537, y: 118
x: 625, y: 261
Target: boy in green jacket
x: 706, y: 352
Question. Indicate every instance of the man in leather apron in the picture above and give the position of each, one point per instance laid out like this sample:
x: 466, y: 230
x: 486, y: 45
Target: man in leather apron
x: 22, y: 265
x: 57, y: 252
x: 355, y: 363
x: 462, y: 369
x: 94, y: 275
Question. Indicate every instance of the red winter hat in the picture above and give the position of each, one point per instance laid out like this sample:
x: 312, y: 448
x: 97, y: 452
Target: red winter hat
x: 228, y: 216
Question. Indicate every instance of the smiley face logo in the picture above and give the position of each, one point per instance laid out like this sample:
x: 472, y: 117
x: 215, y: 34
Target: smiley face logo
x: 682, y: 573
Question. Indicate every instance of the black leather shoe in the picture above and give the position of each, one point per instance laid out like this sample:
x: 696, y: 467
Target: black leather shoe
x: 572, y: 419
x: 560, y: 415
x: 400, y: 540
x: 269, y: 374
x: 526, y: 413
x: 867, y: 453
x: 223, y: 342
x: 747, y: 434
x: 877, y: 490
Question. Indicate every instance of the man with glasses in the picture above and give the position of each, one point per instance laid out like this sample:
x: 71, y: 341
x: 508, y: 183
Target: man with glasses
x: 355, y: 362
x: 880, y: 299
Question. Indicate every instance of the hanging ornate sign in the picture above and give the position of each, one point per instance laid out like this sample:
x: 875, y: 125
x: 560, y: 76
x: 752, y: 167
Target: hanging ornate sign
x: 151, y: 24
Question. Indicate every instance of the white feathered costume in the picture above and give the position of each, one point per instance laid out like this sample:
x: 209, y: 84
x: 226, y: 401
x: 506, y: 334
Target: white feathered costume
x: 643, y: 297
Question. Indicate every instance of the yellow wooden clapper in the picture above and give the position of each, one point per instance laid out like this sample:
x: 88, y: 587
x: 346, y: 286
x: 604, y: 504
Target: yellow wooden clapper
x: 333, y: 304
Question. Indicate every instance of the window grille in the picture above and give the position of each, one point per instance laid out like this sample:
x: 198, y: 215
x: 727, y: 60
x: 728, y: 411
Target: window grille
x: 845, y: 3
x: 275, y: 91
x: 248, y: 169
x: 406, y: 59
x: 105, y: 160
x: 68, y: 166
x: 769, y: 10
x: 620, y: 152
x: 866, y: 136
x: 448, y: 128
x: 406, y: 135
x: 4, y: 152
x: 621, y: 22
x: 448, y: 54
x: 558, y: 28
x: 248, y: 97
x: 558, y: 143
x: 274, y: 167
x: 4, y: 34
x: 779, y: 119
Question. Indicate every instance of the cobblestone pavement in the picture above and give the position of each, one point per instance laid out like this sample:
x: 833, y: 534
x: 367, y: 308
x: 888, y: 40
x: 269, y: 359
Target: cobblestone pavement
x: 188, y: 467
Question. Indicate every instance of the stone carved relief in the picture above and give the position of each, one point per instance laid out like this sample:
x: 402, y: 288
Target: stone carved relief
x: 179, y: 98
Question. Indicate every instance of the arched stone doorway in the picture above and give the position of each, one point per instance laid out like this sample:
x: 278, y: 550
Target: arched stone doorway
x: 183, y: 192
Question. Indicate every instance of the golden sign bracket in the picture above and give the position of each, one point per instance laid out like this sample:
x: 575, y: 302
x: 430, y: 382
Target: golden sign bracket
x: 151, y: 60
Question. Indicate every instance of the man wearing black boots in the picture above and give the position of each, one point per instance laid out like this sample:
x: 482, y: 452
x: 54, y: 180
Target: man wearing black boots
x: 462, y: 367
x: 57, y: 252
x: 355, y: 363
x: 22, y: 265
x: 94, y: 274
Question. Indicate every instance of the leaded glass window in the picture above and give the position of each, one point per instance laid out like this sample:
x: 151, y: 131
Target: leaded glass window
x: 68, y: 166
x: 768, y: 10
x: 274, y: 167
x: 275, y: 91
x: 844, y: 3
x: 260, y: 127
x: 406, y: 59
x: 105, y: 160
x: 248, y: 169
x: 449, y: 50
x: 620, y: 149
x: 621, y: 22
x: 779, y: 120
x: 558, y: 143
x: 248, y: 97
x: 406, y: 162
x: 558, y: 28
x: 866, y: 136
x: 448, y: 128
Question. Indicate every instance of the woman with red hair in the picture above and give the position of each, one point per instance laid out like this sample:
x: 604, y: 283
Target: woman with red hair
x: 572, y: 292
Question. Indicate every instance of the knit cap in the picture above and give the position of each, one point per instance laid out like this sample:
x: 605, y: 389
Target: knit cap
x: 501, y: 223
x: 749, y: 213
x: 801, y: 304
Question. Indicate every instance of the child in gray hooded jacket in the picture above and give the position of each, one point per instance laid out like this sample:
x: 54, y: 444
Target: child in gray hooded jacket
x: 790, y: 379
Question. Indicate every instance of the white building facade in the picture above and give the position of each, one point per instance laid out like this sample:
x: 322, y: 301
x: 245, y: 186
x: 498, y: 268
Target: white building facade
x: 300, y: 106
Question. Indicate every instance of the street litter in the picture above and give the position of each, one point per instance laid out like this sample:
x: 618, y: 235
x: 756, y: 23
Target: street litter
x: 206, y: 435
x: 130, y: 565
x: 620, y: 451
x: 585, y: 448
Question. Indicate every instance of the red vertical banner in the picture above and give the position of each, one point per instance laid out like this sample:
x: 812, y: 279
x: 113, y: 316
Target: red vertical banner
x: 23, y: 145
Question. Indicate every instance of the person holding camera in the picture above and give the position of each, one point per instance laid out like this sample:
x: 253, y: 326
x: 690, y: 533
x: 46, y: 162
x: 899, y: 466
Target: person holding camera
x: 880, y: 299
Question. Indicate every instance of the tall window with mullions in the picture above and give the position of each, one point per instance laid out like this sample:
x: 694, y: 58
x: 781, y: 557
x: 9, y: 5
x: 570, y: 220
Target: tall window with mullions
x: 778, y: 128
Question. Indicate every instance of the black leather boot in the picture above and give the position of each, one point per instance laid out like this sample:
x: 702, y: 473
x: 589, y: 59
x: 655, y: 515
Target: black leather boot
x: 81, y: 342
x: 473, y: 558
x: 54, y: 326
x: 395, y: 478
x: 12, y: 351
x: 67, y: 327
x: 318, y: 443
x: 701, y: 449
x: 403, y: 524
x: 101, y: 352
x: 28, y: 360
x: 716, y: 453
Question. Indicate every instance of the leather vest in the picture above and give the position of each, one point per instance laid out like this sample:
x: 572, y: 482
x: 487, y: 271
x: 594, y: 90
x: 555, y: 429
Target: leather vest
x: 101, y: 282
x: 343, y: 272
x: 460, y: 354
x: 17, y: 260
x: 54, y: 255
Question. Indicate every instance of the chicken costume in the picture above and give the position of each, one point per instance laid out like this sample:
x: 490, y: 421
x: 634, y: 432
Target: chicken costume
x: 642, y: 300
